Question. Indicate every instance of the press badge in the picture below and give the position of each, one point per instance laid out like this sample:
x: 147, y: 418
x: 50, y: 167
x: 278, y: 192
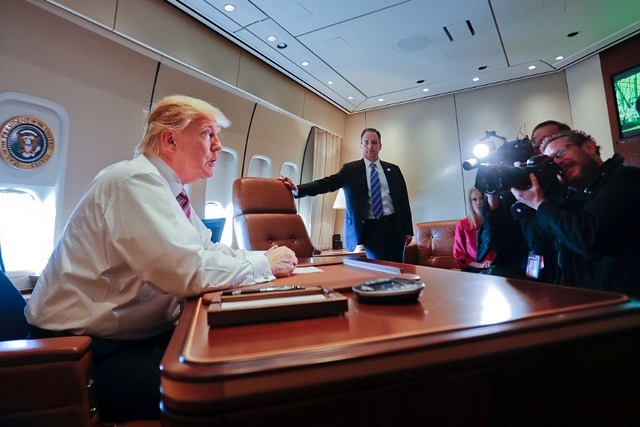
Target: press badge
x: 534, y: 264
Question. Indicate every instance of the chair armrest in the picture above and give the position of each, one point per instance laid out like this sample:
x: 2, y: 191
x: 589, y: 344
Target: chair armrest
x: 51, y: 382
x: 411, y: 253
x: 43, y: 350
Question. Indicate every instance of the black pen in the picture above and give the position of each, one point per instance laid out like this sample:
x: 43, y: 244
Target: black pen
x: 263, y: 289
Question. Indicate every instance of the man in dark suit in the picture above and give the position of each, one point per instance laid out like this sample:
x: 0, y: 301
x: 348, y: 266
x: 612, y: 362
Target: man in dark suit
x: 385, y: 233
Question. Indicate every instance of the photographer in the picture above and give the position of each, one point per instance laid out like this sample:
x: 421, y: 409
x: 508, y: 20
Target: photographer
x: 595, y: 229
x: 522, y: 251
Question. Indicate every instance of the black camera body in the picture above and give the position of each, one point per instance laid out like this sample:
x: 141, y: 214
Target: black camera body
x: 500, y: 178
x: 497, y: 175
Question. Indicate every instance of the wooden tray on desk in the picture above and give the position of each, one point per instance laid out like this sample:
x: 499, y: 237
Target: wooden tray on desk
x: 243, y: 309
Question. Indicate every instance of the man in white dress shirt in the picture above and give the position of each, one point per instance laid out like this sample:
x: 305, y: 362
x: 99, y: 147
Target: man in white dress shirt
x: 130, y: 255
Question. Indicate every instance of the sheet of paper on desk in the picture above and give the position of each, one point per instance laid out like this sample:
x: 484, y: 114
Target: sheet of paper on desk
x: 271, y: 301
x: 305, y: 270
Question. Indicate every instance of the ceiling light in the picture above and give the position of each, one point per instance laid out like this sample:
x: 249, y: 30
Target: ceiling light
x: 475, y: 79
x: 229, y: 7
x: 281, y: 45
x: 304, y: 63
x: 350, y: 97
x: 426, y: 89
x: 331, y: 82
x: 380, y: 99
x: 272, y: 38
x: 532, y: 67
x: 573, y: 34
x: 559, y: 58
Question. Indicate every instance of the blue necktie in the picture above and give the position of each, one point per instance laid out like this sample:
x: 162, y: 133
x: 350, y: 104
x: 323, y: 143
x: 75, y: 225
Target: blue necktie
x: 376, y: 194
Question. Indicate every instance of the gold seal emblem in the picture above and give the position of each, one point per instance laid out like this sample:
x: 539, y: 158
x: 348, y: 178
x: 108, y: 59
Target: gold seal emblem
x: 26, y: 142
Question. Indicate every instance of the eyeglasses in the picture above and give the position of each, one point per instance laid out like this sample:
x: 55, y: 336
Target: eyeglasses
x: 560, y: 152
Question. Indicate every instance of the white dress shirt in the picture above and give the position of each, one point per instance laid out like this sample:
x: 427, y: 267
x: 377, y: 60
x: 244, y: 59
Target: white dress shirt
x: 128, y: 256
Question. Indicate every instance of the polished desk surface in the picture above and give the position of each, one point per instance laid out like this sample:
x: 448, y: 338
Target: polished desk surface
x: 459, y: 315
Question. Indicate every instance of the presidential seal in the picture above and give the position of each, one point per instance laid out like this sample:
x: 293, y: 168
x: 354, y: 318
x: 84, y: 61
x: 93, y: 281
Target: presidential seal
x: 26, y: 142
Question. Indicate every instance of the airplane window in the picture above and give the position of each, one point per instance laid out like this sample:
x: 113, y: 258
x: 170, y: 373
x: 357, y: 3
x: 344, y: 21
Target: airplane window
x: 290, y: 169
x: 26, y: 231
x: 260, y: 166
x: 218, y: 192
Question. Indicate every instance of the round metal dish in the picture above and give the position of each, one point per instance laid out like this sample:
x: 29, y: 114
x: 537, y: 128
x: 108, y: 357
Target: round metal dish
x: 393, y: 290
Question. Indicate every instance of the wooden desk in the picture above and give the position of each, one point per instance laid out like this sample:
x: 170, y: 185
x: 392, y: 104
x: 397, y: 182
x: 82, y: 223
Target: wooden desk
x: 475, y: 349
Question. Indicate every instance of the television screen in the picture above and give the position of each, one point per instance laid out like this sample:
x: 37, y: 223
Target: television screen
x: 626, y: 89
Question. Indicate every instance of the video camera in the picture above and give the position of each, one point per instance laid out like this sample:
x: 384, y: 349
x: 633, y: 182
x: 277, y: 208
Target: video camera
x: 496, y: 173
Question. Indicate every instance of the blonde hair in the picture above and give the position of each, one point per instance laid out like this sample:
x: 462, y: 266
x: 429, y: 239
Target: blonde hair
x: 176, y: 112
x: 474, y: 219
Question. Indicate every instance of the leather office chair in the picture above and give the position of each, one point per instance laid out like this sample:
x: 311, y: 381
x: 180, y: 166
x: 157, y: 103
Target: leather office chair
x: 265, y: 214
x: 45, y: 381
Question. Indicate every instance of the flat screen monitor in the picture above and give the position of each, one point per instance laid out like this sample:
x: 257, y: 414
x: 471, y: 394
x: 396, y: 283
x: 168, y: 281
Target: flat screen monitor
x: 626, y: 89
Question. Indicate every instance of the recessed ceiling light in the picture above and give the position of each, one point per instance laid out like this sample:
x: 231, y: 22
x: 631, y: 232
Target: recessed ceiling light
x: 559, y: 58
x: 350, y: 97
x: 420, y: 81
x: 475, y: 79
x: 532, y: 67
x: 380, y: 99
x: 229, y: 7
x: 272, y: 38
x: 426, y: 89
x: 304, y: 63
x: 482, y: 67
x: 331, y: 82
x: 573, y: 34
x: 281, y: 45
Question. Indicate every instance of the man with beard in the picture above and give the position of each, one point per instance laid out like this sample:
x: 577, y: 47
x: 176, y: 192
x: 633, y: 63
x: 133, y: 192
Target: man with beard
x: 595, y: 229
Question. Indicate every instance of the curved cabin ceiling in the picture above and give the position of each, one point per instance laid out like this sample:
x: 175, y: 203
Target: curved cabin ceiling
x: 366, y: 54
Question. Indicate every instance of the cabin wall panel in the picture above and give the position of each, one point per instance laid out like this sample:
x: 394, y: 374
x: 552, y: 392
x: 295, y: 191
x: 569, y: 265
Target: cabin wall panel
x: 259, y: 79
x: 102, y: 11
x: 53, y: 59
x: 324, y: 115
x: 167, y: 30
x: 282, y: 136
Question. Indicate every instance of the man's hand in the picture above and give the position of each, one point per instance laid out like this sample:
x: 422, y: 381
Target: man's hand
x: 282, y: 260
x: 287, y: 181
x: 533, y: 197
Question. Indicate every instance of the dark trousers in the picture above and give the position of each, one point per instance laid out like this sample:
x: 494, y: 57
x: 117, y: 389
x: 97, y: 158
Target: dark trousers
x: 383, y: 240
x: 127, y: 375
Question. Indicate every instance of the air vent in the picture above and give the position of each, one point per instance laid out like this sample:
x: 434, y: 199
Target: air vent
x: 459, y: 31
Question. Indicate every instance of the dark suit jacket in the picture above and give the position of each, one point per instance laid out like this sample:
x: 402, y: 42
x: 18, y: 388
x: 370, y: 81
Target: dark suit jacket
x: 352, y: 178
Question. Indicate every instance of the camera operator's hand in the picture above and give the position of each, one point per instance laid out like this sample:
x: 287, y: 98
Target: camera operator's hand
x: 533, y: 197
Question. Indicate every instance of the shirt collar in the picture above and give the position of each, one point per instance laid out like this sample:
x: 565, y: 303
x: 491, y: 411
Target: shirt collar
x: 165, y: 170
x: 368, y: 163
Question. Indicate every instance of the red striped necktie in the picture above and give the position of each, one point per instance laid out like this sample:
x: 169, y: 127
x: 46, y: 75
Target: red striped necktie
x: 183, y: 199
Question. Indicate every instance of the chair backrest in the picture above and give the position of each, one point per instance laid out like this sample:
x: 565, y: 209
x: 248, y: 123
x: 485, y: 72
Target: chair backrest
x: 13, y: 324
x: 265, y: 214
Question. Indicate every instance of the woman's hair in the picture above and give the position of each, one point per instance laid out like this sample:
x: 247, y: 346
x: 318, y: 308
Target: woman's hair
x: 175, y: 112
x: 474, y: 219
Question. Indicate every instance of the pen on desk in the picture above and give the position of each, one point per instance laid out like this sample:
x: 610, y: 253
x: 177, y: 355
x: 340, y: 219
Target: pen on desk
x: 263, y: 289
